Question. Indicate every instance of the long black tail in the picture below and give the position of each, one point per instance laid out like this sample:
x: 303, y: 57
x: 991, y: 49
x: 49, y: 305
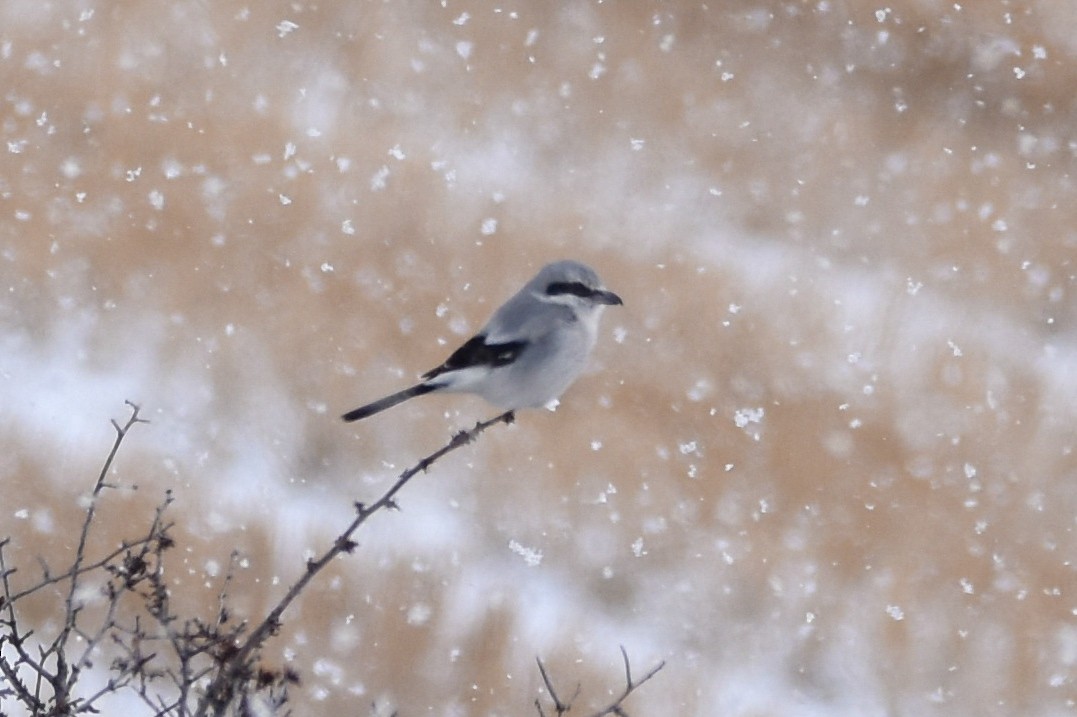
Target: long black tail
x: 388, y: 402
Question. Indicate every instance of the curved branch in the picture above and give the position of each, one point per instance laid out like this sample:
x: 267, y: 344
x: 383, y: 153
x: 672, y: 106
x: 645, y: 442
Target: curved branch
x: 236, y: 667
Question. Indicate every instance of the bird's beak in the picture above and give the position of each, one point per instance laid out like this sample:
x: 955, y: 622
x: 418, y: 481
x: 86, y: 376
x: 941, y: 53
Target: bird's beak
x: 608, y: 298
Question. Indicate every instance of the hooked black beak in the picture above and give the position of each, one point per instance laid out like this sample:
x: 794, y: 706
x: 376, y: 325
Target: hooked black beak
x: 608, y: 298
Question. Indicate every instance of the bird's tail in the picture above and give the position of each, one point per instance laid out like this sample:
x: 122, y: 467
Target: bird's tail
x: 388, y: 402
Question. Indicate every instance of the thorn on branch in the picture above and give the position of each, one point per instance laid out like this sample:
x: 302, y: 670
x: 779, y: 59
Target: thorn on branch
x: 347, y: 545
x: 265, y: 678
x: 462, y: 438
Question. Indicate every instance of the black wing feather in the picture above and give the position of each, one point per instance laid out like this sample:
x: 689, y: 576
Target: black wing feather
x: 476, y: 352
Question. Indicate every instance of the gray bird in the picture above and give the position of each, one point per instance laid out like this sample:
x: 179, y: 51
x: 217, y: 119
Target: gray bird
x: 529, y: 352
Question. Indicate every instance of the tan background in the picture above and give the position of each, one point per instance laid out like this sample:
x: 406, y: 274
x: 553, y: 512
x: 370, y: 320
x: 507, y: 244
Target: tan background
x: 825, y: 462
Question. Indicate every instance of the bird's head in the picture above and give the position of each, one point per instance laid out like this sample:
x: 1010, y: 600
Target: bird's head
x: 572, y: 284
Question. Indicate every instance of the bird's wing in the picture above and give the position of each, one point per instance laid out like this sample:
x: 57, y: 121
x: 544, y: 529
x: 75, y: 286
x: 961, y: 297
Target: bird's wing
x: 477, y: 352
x: 525, y: 318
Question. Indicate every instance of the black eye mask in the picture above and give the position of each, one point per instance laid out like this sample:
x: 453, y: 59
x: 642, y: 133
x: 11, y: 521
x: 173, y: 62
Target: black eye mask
x: 575, y: 288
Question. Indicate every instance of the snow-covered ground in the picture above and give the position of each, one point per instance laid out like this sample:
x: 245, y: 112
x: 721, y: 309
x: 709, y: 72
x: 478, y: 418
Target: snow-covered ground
x: 824, y: 464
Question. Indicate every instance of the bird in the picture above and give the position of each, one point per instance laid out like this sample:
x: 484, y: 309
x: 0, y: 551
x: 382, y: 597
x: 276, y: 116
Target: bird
x: 529, y: 352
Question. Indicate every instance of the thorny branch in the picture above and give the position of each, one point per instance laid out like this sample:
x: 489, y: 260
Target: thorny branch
x: 53, y: 672
x: 237, y: 668
x: 178, y: 666
x: 121, y: 433
x: 616, y: 707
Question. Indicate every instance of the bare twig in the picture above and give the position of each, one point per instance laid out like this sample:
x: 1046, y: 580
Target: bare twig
x: 85, y: 567
x: 121, y: 433
x: 44, y: 680
x: 17, y: 641
x: 237, y: 668
x: 66, y: 675
x: 560, y: 707
x: 616, y: 707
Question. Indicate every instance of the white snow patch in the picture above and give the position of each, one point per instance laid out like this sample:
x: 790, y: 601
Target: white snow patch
x: 419, y: 614
x: 532, y: 556
x: 743, y: 417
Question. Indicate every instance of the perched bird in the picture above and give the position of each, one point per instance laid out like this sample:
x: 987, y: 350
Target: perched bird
x: 529, y: 352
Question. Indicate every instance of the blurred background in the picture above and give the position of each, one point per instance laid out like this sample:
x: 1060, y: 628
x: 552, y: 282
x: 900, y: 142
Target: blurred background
x: 823, y: 464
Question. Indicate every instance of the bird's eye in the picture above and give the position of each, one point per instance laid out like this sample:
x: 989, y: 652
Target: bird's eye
x: 560, y: 288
